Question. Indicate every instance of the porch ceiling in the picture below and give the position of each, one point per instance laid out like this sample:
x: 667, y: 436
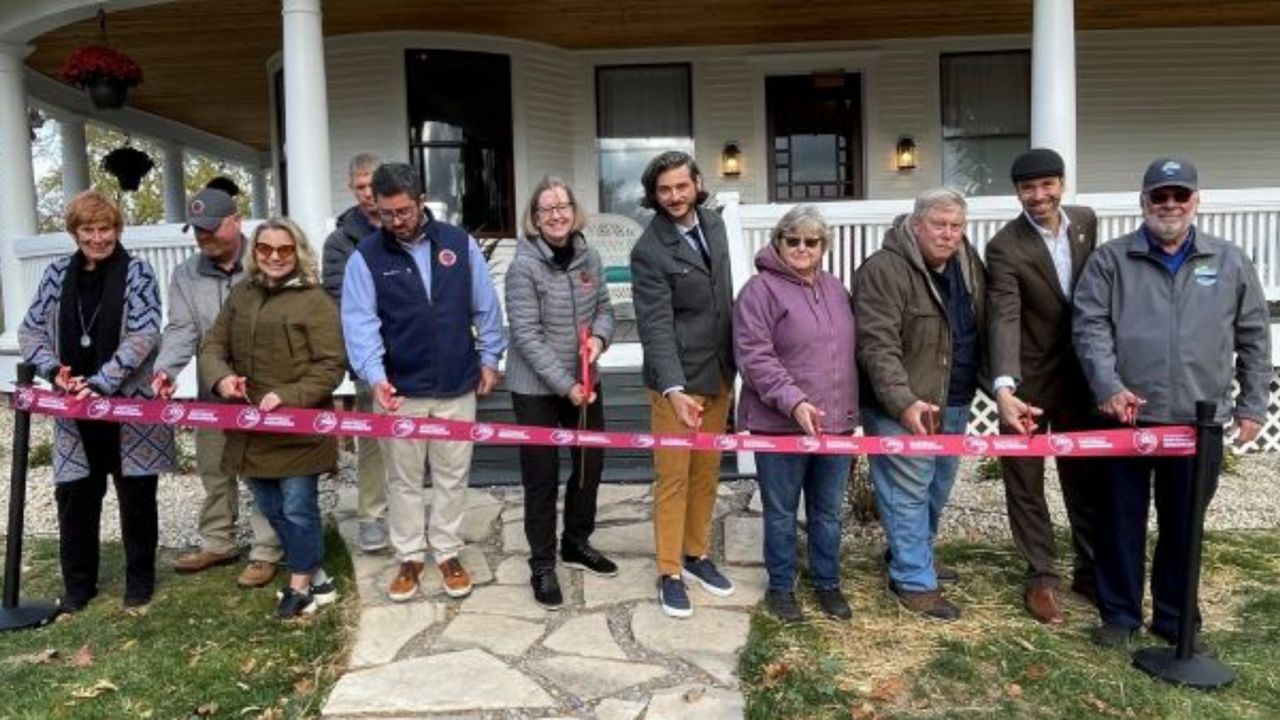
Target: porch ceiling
x: 205, y: 60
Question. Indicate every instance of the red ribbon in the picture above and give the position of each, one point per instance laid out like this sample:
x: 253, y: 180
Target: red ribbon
x: 1161, y: 441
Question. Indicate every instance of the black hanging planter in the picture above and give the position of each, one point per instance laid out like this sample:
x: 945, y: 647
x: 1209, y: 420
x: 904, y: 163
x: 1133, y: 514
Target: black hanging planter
x: 128, y: 165
x: 107, y: 93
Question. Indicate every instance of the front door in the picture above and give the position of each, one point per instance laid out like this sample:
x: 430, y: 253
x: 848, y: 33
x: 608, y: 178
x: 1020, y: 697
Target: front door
x: 815, y: 132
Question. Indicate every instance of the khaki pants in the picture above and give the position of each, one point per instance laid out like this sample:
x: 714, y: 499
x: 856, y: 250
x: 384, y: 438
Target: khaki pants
x: 371, y: 473
x: 221, y: 506
x: 684, y: 488
x: 450, y: 470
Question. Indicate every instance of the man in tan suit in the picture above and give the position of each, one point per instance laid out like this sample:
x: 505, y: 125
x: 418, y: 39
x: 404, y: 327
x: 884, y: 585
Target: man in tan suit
x: 1033, y: 263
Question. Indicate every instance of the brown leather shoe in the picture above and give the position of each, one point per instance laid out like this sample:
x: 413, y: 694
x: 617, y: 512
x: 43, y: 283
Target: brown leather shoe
x: 256, y: 574
x: 405, y: 584
x: 457, y: 583
x: 1043, y: 604
x: 200, y: 560
x: 930, y: 603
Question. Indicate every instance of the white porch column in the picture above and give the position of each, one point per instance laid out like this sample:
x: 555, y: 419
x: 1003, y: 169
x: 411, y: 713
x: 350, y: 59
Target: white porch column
x: 1053, y: 82
x: 306, y: 107
x: 75, y: 157
x: 261, y: 206
x: 17, y: 188
x: 175, y: 183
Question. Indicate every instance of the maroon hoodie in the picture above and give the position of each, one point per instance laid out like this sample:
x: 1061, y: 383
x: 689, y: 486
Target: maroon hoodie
x: 794, y: 341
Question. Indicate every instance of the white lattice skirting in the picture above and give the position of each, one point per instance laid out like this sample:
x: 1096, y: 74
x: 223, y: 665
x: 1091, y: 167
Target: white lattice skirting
x: 985, y: 421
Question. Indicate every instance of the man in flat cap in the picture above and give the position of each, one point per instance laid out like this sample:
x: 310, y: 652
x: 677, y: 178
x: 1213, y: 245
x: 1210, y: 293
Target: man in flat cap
x: 1033, y: 263
x: 1165, y: 316
x: 197, y: 290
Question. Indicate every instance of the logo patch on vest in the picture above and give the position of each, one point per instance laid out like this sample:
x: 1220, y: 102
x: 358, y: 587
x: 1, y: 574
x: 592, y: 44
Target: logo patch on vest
x: 447, y: 258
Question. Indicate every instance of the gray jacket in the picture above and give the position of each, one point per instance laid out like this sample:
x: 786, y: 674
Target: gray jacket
x: 197, y: 290
x: 1170, y: 339
x: 352, y: 227
x: 545, y: 307
x: 684, y: 313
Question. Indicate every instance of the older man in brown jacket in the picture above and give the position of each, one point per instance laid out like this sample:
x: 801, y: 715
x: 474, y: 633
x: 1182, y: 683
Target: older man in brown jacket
x: 921, y: 350
x: 1033, y: 264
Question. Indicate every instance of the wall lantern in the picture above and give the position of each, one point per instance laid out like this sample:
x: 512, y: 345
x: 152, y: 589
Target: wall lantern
x: 731, y: 159
x: 905, y: 153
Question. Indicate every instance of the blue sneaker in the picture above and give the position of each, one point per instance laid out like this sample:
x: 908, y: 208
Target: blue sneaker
x: 705, y: 572
x: 673, y: 597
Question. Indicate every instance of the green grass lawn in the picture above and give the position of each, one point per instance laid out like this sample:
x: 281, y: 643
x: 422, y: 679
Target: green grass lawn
x: 205, y: 648
x: 997, y: 662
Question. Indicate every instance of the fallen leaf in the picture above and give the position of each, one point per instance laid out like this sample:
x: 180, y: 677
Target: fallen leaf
x: 694, y: 694
x: 774, y: 672
x: 865, y: 711
x: 304, y: 686
x: 129, y: 643
x: 1014, y: 690
x: 248, y: 666
x: 43, y: 657
x: 83, y: 658
x: 1036, y: 671
x: 1025, y: 645
x: 208, y: 710
x: 889, y: 689
x: 93, y: 691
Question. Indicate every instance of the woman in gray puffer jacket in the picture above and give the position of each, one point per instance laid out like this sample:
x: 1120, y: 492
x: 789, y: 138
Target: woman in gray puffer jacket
x: 554, y: 288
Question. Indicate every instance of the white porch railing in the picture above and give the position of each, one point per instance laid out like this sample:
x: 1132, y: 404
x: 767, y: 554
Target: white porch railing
x: 1250, y: 218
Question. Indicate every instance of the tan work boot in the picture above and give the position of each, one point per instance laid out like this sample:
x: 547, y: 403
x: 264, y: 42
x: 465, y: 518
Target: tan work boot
x: 200, y: 560
x: 256, y: 574
x: 457, y: 583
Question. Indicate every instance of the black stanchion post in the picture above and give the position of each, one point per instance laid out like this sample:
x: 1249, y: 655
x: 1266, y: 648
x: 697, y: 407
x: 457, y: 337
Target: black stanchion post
x: 13, y: 614
x: 1181, y: 666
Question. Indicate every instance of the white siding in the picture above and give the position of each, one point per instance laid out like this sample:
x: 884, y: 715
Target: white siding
x: 368, y: 109
x: 366, y: 114
x: 546, y: 84
x: 726, y: 99
x: 1212, y: 94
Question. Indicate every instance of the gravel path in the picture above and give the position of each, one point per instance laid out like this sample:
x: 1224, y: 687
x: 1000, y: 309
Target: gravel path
x: 1250, y: 498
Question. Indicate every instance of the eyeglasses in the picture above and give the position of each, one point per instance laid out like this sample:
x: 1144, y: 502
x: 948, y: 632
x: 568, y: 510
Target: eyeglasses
x: 263, y: 250
x: 561, y: 209
x: 1160, y: 196
x: 809, y: 242
x: 404, y: 213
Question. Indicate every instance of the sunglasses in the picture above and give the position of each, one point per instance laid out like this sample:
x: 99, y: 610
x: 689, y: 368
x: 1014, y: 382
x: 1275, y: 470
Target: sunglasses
x: 1160, y: 196
x: 263, y: 250
x: 794, y: 242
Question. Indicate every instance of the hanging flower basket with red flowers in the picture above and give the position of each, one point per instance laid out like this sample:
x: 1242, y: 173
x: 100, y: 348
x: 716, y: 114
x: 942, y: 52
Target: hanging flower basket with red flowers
x: 105, y: 73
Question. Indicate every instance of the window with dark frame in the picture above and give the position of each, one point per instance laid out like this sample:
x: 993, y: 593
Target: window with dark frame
x: 815, y: 136
x: 641, y: 111
x: 986, y: 118
x: 460, y: 136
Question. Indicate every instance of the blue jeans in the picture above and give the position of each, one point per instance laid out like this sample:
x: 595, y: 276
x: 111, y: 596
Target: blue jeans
x: 782, y: 476
x: 911, y: 493
x: 292, y: 507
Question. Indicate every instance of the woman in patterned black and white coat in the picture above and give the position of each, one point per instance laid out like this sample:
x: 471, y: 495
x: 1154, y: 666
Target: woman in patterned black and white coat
x: 92, y: 331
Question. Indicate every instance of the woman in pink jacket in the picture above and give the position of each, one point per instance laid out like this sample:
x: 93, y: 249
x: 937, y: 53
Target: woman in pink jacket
x: 793, y: 337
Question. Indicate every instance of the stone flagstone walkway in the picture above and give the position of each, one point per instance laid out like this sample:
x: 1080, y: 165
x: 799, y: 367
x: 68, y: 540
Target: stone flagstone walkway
x: 610, y: 653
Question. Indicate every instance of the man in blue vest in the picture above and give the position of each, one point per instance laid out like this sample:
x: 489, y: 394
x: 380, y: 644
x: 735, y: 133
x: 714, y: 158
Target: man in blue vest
x: 423, y: 328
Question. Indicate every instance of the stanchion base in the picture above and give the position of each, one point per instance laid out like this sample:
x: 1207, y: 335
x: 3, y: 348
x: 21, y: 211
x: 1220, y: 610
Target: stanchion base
x: 1200, y: 672
x: 28, y: 615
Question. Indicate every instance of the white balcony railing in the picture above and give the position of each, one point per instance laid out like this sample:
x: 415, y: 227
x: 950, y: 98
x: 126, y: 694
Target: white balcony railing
x: 1250, y: 218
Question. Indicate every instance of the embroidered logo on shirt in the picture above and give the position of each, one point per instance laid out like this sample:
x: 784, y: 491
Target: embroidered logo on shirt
x: 1206, y: 275
x: 447, y: 258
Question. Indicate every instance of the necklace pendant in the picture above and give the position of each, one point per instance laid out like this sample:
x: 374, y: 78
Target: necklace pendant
x: 85, y: 340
